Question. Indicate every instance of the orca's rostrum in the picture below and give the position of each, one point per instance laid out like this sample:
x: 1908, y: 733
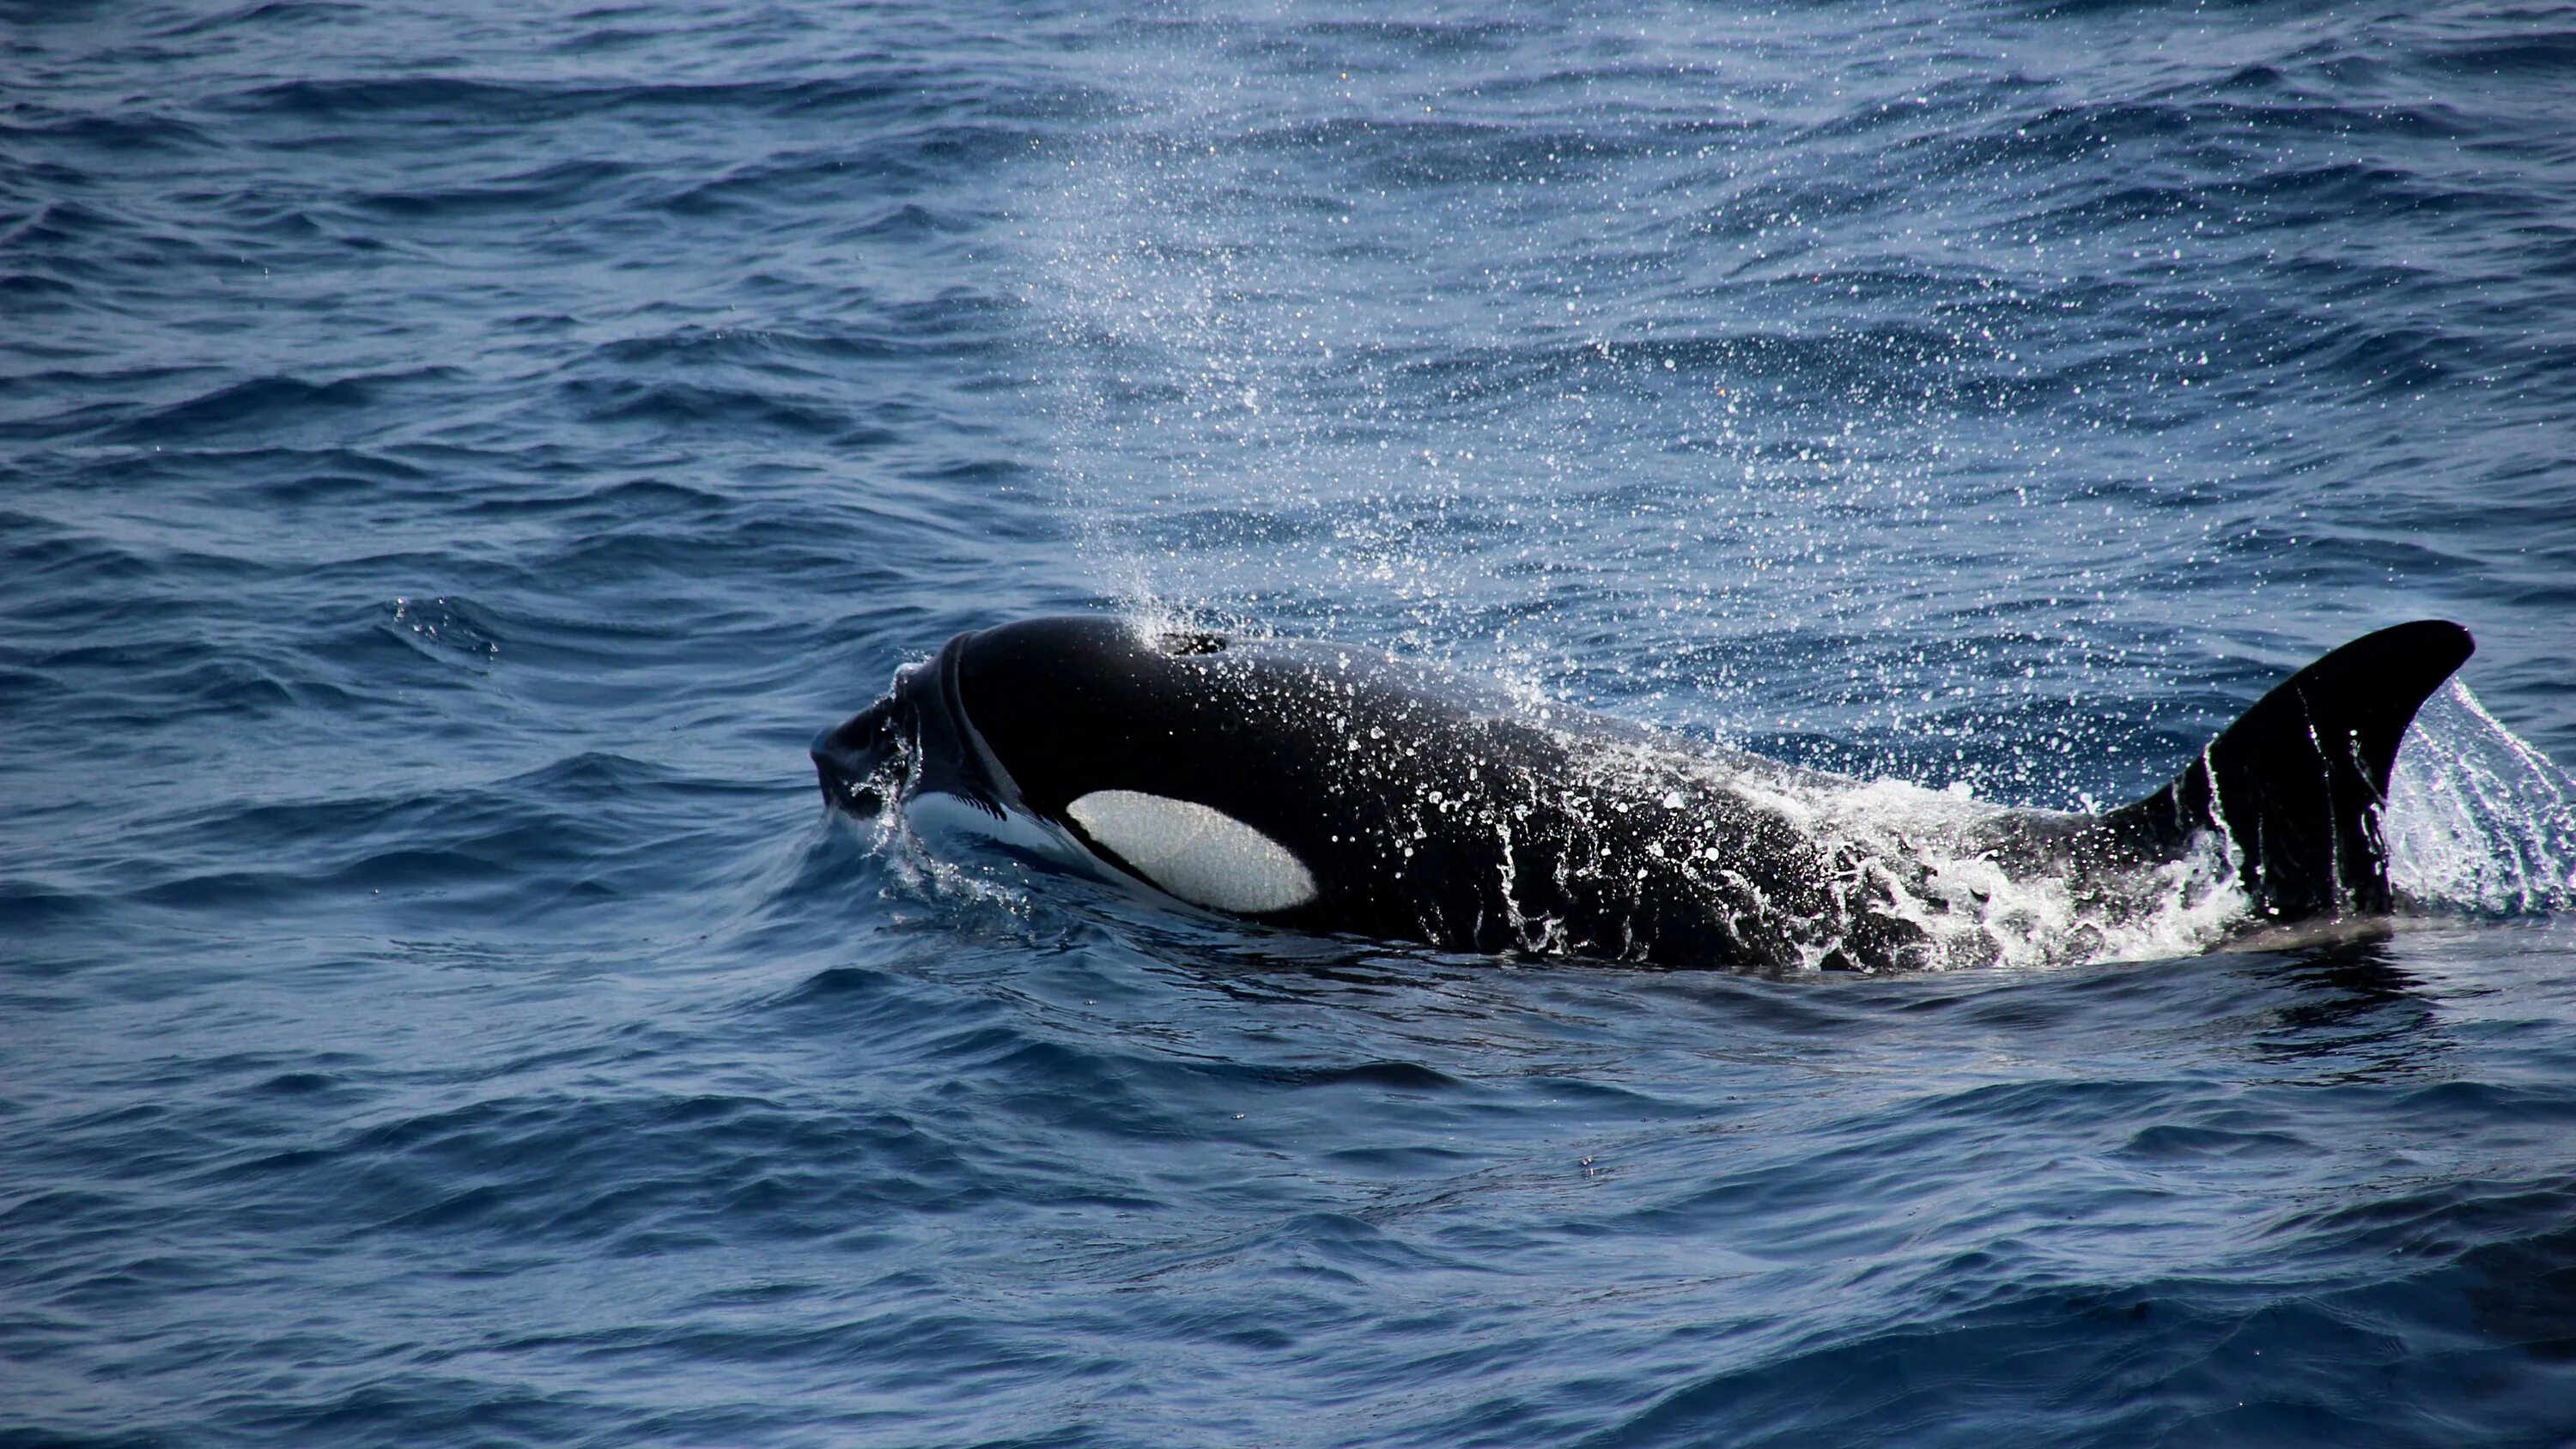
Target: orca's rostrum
x: 1331, y: 789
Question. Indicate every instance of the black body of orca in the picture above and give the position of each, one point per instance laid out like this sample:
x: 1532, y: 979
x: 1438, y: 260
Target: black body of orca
x: 1335, y: 790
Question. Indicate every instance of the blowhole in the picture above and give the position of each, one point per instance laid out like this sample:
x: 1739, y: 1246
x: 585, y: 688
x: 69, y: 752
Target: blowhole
x: 1190, y: 643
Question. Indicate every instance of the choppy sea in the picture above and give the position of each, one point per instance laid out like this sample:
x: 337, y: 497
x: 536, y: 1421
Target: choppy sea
x: 454, y: 455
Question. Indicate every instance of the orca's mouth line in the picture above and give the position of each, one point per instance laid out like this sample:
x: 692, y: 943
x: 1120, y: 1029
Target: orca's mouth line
x: 971, y: 772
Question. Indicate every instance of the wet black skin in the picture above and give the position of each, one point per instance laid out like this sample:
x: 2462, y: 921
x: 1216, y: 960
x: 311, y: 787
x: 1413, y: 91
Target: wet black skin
x: 1429, y: 813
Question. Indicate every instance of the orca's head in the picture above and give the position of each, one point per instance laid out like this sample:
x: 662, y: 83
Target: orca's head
x: 913, y: 741
x: 1181, y: 758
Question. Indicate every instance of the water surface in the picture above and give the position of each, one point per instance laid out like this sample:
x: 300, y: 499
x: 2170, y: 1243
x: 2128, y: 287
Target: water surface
x: 455, y: 456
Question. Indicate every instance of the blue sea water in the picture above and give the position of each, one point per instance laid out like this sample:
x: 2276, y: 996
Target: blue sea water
x: 453, y: 456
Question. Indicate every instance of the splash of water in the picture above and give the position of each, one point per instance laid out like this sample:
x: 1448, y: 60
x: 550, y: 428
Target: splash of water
x: 2478, y: 820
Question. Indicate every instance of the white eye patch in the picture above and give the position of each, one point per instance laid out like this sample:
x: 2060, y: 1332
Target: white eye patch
x: 1203, y: 856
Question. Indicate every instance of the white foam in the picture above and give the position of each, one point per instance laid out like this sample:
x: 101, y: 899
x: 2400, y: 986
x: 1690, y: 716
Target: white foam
x: 1925, y: 856
x: 1977, y: 911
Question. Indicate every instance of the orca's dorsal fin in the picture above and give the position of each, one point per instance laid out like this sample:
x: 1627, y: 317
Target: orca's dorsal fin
x: 2298, y: 781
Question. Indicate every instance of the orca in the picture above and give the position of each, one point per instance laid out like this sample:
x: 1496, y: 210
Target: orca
x: 1336, y: 790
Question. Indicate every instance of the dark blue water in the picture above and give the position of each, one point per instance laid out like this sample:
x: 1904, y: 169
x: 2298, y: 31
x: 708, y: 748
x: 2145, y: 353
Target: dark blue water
x: 452, y: 457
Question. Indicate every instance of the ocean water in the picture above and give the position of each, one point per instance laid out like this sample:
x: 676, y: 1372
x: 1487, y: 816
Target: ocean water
x: 453, y: 457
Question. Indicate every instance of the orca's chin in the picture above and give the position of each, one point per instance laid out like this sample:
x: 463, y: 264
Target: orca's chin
x: 858, y: 762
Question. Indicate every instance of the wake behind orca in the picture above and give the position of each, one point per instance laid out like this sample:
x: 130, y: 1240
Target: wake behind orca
x: 1329, y: 789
